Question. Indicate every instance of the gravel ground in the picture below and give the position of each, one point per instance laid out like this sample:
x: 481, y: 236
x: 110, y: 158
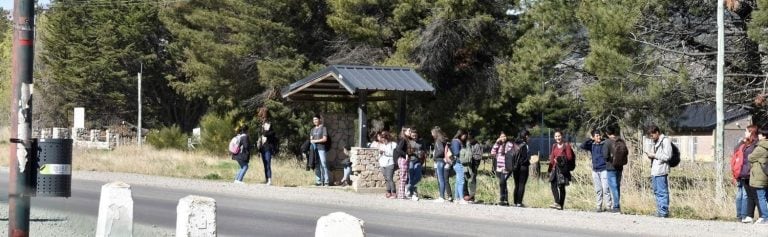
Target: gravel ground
x: 44, y: 222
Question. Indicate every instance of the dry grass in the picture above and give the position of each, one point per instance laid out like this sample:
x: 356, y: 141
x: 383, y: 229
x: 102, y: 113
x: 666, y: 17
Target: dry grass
x: 691, y: 185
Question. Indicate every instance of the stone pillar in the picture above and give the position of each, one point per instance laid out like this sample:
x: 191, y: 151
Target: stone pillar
x: 339, y: 224
x: 366, y: 172
x: 115, y: 211
x: 196, y: 217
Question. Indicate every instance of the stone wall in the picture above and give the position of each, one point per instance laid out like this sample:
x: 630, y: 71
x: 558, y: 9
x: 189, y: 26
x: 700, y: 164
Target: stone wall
x: 341, y: 129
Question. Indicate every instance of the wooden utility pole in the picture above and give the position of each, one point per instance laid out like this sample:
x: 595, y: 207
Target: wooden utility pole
x: 719, y: 133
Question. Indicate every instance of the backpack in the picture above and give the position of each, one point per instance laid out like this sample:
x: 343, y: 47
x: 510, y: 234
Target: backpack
x: 570, y: 165
x: 675, y: 159
x: 514, y: 158
x: 234, y: 145
x: 619, y: 152
x: 465, y: 155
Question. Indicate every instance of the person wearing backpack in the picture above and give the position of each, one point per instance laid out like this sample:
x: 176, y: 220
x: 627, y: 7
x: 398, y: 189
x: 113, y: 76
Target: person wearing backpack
x: 740, y: 168
x: 318, y: 136
x: 599, y: 172
x: 615, y: 152
x: 758, y: 175
x: 660, y: 156
x: 520, y: 171
x: 457, y: 144
x: 416, y: 160
x: 560, y: 156
x: 499, y: 151
x: 267, y: 148
x: 243, y: 156
x: 476, y: 155
x: 439, y: 157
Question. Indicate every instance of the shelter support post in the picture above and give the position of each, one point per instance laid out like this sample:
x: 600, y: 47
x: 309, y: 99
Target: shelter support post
x: 362, y: 119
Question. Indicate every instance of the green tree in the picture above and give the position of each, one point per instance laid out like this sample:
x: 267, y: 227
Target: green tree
x: 93, y: 52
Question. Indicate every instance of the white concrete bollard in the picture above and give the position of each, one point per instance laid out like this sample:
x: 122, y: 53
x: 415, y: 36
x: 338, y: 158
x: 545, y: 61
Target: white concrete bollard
x: 196, y: 217
x: 340, y: 224
x: 115, y: 210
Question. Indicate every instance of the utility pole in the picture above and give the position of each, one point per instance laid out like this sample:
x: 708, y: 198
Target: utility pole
x: 20, y: 181
x: 719, y: 134
x: 138, y: 129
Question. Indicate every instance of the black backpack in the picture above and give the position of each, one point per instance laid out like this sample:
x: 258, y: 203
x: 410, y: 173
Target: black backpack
x: 515, y: 157
x: 675, y: 159
x: 619, y: 152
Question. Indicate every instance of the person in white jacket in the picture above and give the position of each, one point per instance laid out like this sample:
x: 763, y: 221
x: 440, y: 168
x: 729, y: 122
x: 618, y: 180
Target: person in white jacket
x: 660, y: 155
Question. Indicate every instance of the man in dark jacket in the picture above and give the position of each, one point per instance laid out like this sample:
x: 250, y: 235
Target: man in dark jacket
x: 599, y: 169
x: 614, y: 170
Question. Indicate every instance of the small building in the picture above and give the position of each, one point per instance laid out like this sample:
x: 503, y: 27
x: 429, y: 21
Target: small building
x: 694, y: 131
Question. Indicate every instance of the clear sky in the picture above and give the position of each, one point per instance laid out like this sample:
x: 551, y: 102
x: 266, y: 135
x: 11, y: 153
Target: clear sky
x: 8, y: 4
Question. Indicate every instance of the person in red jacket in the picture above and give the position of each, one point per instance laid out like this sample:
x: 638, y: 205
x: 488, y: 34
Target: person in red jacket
x: 740, y: 167
x: 559, y: 171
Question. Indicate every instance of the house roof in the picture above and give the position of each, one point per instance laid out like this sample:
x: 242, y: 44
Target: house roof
x: 346, y: 80
x: 703, y: 116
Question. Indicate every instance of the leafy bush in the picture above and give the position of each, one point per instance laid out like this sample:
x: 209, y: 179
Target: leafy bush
x: 215, y: 133
x: 168, y: 137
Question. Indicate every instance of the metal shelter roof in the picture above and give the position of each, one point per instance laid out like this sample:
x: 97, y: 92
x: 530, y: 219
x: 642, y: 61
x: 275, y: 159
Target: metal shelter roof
x: 702, y: 116
x: 344, y: 81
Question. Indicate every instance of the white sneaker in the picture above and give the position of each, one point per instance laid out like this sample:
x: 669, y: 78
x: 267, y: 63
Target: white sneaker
x: 759, y: 220
x: 746, y: 220
x: 415, y: 197
x: 269, y: 182
x: 439, y: 200
x: 239, y: 182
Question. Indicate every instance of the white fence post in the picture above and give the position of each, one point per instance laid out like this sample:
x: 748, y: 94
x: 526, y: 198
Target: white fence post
x: 115, y: 211
x: 339, y: 224
x: 196, y: 217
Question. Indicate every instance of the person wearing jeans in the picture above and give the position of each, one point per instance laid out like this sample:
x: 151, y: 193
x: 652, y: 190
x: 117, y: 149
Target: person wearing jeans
x: 415, y: 162
x: 662, y: 152
x: 499, y: 151
x: 757, y: 178
x: 244, y: 156
x: 439, y: 158
x: 318, y: 137
x: 746, y: 196
x: 268, y: 146
x: 599, y: 172
x: 614, y: 166
x: 456, y: 145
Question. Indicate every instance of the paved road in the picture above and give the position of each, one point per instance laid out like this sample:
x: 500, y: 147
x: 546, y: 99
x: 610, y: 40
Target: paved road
x: 254, y: 216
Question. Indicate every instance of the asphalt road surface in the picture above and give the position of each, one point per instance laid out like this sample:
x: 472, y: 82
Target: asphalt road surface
x: 254, y: 216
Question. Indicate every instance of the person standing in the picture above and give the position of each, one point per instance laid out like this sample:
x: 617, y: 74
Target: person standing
x: 401, y: 154
x: 456, y: 145
x: 758, y: 178
x: 318, y: 136
x: 660, y: 156
x: 439, y: 158
x: 244, y: 156
x: 615, y: 153
x: 599, y: 171
x: 520, y: 174
x: 470, y: 188
x: 416, y: 160
x: 560, y: 156
x: 386, y: 161
x: 499, y: 151
x: 268, y: 148
x: 740, y: 167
